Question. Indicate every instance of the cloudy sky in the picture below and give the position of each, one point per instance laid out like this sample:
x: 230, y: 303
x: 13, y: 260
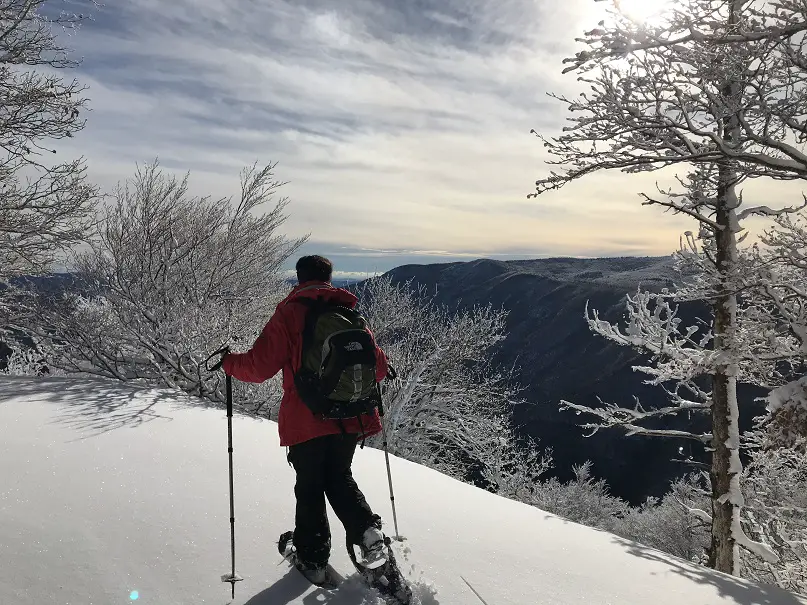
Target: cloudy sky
x: 401, y: 126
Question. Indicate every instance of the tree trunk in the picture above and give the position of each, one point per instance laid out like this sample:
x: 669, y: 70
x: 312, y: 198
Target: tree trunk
x: 724, y: 382
x: 725, y: 412
x: 723, y: 552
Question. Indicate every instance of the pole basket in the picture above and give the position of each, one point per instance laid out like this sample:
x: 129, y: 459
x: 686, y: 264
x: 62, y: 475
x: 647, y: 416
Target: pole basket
x: 232, y: 579
x: 228, y: 577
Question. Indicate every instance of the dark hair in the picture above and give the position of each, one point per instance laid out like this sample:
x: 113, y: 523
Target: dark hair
x: 314, y: 268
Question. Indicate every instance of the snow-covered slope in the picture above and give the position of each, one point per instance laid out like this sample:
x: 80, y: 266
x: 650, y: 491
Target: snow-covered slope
x: 112, y: 494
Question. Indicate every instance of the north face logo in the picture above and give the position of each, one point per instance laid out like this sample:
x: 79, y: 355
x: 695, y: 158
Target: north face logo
x: 353, y: 346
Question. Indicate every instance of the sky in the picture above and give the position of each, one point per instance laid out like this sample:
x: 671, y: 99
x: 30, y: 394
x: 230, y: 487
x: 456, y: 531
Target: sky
x: 401, y: 128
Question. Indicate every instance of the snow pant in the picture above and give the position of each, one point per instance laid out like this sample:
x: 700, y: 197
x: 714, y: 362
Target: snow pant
x: 323, y: 470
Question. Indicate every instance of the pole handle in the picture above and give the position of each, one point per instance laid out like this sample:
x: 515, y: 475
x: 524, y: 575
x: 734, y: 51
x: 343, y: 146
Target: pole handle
x: 223, y: 351
x: 228, y: 381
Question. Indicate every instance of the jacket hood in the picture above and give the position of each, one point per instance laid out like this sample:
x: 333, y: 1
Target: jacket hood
x: 317, y: 289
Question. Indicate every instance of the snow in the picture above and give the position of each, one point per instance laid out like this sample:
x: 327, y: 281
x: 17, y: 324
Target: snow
x: 792, y: 394
x: 117, y: 494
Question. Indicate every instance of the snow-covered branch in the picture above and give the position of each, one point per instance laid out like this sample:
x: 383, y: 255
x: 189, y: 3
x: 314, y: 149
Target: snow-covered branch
x: 775, y: 489
x: 767, y: 211
x: 612, y: 415
x: 171, y: 279
x: 663, y: 102
x: 692, y: 23
x: 719, y: 88
x: 450, y: 406
x: 45, y: 208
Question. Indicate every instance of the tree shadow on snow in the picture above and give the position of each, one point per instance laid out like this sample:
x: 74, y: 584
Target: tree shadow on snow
x: 92, y: 405
x: 743, y: 592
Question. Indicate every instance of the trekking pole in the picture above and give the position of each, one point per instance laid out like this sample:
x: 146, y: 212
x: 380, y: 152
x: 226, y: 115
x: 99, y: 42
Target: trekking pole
x: 392, y: 374
x: 389, y: 478
x: 231, y: 577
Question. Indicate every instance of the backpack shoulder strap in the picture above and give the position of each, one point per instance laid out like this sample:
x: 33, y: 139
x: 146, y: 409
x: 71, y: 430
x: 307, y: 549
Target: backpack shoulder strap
x: 314, y: 307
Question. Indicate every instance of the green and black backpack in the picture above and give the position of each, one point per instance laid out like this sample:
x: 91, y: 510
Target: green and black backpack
x: 337, y: 374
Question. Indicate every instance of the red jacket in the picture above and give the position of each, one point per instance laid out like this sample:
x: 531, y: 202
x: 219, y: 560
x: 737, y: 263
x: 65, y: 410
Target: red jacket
x: 278, y: 348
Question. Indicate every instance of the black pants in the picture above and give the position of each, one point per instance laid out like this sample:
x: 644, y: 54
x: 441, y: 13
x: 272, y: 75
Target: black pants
x: 323, y: 469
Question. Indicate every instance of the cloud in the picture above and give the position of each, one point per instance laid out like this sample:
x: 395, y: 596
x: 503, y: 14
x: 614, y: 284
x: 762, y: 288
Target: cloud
x: 362, y: 263
x: 340, y: 275
x: 399, y: 125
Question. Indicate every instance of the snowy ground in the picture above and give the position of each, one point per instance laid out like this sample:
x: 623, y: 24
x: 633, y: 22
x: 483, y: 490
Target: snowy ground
x: 112, y: 494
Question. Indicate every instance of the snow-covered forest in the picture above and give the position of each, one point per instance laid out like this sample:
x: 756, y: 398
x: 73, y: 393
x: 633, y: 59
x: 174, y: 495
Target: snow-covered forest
x: 709, y: 94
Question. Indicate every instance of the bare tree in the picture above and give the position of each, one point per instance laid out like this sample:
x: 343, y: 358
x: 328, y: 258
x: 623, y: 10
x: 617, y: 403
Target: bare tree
x: 780, y: 311
x: 775, y: 481
x: 172, y: 278
x: 450, y: 407
x: 717, y: 85
x: 775, y: 486
x: 45, y: 209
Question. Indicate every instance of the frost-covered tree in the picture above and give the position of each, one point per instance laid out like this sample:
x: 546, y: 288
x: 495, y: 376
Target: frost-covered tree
x: 585, y: 499
x: 668, y: 523
x: 782, y: 308
x: 171, y: 278
x: 45, y: 207
x: 775, y: 487
x: 665, y: 523
x: 450, y: 406
x: 718, y: 87
x: 775, y: 482
x: 25, y: 361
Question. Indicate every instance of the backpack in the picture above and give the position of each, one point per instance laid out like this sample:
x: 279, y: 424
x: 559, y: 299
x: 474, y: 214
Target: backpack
x: 337, y: 374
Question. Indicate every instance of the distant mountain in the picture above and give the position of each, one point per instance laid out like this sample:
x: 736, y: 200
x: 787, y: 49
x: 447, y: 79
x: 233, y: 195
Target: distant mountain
x: 337, y: 282
x: 560, y: 358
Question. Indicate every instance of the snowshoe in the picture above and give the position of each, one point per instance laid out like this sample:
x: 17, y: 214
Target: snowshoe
x: 324, y: 577
x: 373, y: 548
x: 386, y: 578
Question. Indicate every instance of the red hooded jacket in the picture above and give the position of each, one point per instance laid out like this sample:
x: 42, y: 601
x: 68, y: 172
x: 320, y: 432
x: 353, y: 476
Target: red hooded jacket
x: 278, y: 348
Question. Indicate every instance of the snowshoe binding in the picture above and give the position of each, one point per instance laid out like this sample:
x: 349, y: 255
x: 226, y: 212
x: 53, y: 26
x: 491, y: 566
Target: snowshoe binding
x: 321, y: 576
x: 379, y: 570
x: 373, y: 548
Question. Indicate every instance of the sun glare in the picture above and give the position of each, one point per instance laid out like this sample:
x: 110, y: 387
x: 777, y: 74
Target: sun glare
x: 641, y: 10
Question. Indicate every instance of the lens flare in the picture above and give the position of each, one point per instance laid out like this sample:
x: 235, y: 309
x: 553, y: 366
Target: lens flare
x: 641, y: 10
x: 134, y: 595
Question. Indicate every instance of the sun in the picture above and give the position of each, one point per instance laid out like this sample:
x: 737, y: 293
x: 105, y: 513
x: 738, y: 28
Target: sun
x: 641, y: 10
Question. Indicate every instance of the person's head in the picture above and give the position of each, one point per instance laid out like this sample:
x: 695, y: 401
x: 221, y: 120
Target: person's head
x: 314, y: 268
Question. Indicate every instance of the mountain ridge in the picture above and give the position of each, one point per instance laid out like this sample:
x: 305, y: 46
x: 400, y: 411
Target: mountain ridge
x: 560, y: 358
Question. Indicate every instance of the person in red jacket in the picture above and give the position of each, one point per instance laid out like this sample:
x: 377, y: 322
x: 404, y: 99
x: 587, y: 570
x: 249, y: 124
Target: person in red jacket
x: 320, y: 450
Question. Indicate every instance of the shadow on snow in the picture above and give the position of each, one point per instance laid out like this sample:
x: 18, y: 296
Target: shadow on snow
x: 94, y: 406
x: 743, y: 592
x: 351, y: 591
